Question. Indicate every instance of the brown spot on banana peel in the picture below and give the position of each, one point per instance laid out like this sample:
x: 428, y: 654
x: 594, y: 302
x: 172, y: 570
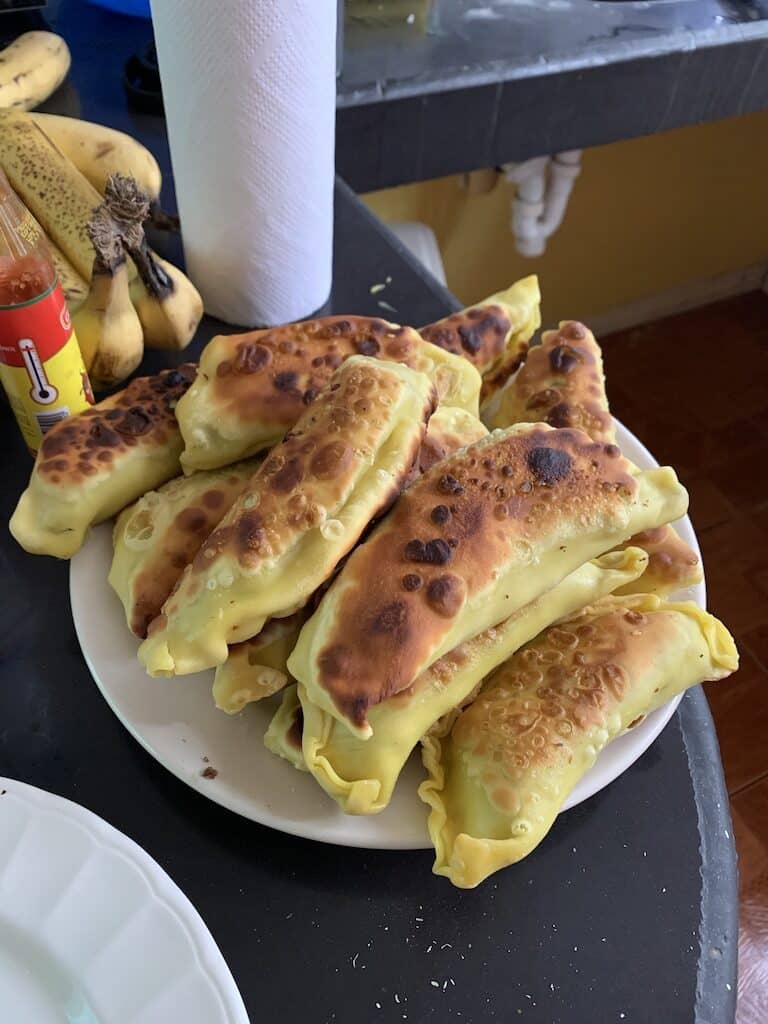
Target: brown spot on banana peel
x: 153, y: 277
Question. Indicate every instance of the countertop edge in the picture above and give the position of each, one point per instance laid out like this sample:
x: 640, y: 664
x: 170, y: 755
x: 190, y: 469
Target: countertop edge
x: 717, y: 980
x: 600, y: 55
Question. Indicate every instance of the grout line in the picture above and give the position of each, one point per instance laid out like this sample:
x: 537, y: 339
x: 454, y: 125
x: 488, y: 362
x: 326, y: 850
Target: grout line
x: 746, y: 786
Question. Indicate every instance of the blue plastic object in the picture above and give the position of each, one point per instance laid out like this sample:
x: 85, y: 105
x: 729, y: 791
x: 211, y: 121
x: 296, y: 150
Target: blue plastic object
x: 138, y: 8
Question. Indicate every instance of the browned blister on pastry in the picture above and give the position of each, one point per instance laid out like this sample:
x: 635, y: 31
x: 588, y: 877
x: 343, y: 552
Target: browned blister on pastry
x: 478, y: 536
x: 157, y: 537
x: 478, y: 333
x: 448, y: 430
x: 672, y: 564
x: 302, y: 511
x: 256, y: 668
x: 561, y: 383
x: 500, y: 772
x: 95, y: 463
x: 253, y: 387
x: 493, y: 333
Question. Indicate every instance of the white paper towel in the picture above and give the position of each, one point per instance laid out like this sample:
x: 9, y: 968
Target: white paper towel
x: 249, y: 88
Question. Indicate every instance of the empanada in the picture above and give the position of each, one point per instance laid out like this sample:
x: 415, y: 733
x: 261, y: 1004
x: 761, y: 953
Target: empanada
x: 449, y: 429
x: 473, y: 540
x: 561, y: 383
x: 672, y: 564
x: 256, y: 668
x: 283, y: 735
x: 92, y: 465
x: 303, y: 510
x: 499, y: 773
x: 252, y: 388
x: 494, y: 330
x: 156, y: 538
x: 361, y: 774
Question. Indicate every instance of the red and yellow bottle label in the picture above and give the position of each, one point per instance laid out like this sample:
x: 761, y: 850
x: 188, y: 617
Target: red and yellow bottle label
x: 40, y: 364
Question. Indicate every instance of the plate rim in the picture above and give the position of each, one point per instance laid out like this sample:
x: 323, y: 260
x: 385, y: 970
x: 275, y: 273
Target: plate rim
x: 651, y: 728
x: 209, y: 960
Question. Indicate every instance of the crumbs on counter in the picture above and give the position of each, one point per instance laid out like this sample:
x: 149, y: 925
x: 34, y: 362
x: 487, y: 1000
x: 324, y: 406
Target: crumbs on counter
x: 209, y: 772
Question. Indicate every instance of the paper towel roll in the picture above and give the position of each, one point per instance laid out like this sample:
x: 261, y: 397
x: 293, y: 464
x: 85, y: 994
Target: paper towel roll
x: 249, y: 88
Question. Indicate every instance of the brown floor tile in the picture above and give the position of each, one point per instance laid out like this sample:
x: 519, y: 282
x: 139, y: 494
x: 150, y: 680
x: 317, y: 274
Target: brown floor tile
x: 708, y: 507
x: 743, y: 479
x: 749, y: 311
x: 756, y: 642
x: 678, y: 364
x: 760, y: 519
x: 735, y: 559
x: 750, y: 824
x: 750, y: 827
x: 740, y: 710
x: 694, y: 388
x: 745, y: 437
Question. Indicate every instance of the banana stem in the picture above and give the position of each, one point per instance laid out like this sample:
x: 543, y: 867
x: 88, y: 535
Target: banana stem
x: 129, y: 208
x: 162, y: 220
x: 107, y: 243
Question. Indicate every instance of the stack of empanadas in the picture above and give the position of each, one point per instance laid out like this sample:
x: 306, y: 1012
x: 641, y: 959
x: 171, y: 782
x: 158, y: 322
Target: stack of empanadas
x: 351, y: 534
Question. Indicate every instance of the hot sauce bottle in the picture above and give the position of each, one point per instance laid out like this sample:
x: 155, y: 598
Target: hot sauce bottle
x: 40, y: 363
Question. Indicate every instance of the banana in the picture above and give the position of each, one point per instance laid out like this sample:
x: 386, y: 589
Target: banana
x: 168, y: 304
x: 75, y: 288
x: 61, y: 199
x: 32, y: 68
x: 98, y: 151
x: 106, y: 324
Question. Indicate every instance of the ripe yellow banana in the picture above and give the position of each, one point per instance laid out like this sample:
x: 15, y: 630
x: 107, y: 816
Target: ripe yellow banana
x: 61, y: 199
x: 168, y: 304
x: 98, y: 151
x: 32, y: 68
x: 75, y: 288
x: 108, y: 330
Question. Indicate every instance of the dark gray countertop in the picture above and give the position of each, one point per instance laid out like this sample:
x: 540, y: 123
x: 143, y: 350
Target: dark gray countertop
x: 484, y: 42
x: 483, y: 82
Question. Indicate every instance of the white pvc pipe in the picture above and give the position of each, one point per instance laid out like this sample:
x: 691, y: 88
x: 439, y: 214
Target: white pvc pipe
x: 541, y: 198
x: 528, y: 203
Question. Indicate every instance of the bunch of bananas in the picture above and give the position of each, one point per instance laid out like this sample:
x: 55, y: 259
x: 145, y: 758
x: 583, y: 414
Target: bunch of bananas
x: 61, y: 168
x: 31, y: 68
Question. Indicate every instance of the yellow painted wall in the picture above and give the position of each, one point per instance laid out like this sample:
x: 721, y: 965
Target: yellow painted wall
x: 645, y: 216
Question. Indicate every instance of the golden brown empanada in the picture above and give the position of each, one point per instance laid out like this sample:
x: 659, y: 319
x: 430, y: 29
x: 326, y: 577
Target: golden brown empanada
x: 251, y: 388
x: 672, y: 564
x: 303, y: 510
x: 494, y: 330
x: 449, y: 429
x: 256, y: 668
x: 360, y: 774
x: 92, y: 465
x: 500, y: 771
x: 561, y: 383
x: 283, y: 735
x: 473, y: 540
x: 157, y: 537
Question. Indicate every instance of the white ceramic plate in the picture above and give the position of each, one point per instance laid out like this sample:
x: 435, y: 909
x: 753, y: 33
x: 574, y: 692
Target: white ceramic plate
x: 92, y: 930
x: 176, y: 721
